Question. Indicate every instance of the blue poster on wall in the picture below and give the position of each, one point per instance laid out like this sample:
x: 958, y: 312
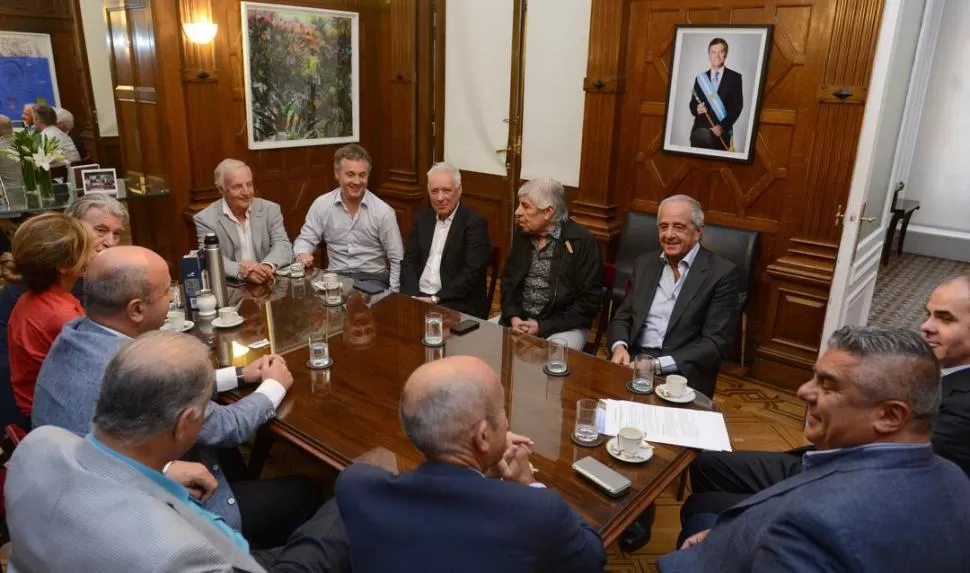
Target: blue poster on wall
x: 26, y: 72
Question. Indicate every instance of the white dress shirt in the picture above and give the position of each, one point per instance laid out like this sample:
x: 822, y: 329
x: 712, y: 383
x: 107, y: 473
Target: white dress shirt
x: 368, y: 241
x: 226, y: 377
x: 430, y: 282
x: 658, y: 317
x: 245, y: 231
x: 64, y: 142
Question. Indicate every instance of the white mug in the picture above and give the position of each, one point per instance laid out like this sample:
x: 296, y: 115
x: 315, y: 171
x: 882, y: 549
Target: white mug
x: 228, y: 314
x: 629, y: 439
x: 175, y: 319
x: 676, y: 385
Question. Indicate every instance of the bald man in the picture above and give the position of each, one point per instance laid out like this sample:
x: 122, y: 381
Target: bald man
x: 452, y: 513
x: 127, y: 291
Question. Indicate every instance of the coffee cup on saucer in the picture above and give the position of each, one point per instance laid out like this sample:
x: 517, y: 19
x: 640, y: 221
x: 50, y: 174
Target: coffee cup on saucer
x: 629, y: 439
x: 175, y: 319
x: 675, y: 385
x: 228, y: 314
x: 297, y: 270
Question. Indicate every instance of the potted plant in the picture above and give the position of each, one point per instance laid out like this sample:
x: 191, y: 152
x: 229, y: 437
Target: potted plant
x: 36, y: 153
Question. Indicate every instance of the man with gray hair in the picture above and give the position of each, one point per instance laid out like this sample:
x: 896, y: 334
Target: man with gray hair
x: 871, y: 406
x: 452, y: 513
x: 127, y: 291
x: 113, y: 501
x: 448, y: 249
x: 106, y: 216
x: 251, y: 234
x: 553, y: 277
x: 682, y: 308
x: 45, y: 122
x: 65, y: 122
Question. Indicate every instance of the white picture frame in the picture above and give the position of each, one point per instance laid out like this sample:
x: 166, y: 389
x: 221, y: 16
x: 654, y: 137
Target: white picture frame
x: 282, y: 109
x: 100, y: 181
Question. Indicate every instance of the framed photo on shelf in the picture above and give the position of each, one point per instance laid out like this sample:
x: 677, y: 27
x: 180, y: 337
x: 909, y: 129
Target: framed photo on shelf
x: 99, y: 181
x: 716, y: 85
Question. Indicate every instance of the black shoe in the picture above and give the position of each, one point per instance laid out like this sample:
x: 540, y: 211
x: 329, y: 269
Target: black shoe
x: 638, y: 534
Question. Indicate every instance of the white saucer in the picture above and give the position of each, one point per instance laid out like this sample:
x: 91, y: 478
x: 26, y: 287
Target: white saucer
x: 186, y: 326
x: 687, y: 397
x: 613, y: 448
x: 219, y: 323
x: 282, y: 272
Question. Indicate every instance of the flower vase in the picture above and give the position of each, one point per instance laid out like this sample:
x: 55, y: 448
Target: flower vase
x: 30, y: 185
x: 45, y: 186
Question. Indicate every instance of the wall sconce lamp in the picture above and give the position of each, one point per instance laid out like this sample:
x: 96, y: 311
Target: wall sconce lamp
x: 200, y: 32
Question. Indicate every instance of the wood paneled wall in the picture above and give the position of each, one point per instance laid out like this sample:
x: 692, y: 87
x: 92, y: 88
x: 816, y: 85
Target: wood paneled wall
x: 59, y: 19
x: 194, y: 119
x: 805, y: 149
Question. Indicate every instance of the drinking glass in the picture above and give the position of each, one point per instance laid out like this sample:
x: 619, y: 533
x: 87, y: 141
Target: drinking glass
x: 332, y: 292
x: 434, y: 328
x: 643, y: 368
x: 319, y: 350
x: 586, y: 431
x: 176, y: 302
x: 557, y: 356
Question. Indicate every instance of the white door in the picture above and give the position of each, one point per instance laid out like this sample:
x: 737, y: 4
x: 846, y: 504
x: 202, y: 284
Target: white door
x: 900, y: 73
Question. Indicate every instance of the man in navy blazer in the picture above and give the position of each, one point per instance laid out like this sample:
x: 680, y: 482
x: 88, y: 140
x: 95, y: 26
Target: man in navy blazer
x: 716, y: 101
x: 451, y: 514
x: 448, y: 249
x: 873, y: 496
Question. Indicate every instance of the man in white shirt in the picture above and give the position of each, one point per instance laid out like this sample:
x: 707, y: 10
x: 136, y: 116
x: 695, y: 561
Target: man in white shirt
x: 128, y: 294
x: 448, y: 250
x: 250, y: 230
x: 360, y: 230
x: 45, y: 123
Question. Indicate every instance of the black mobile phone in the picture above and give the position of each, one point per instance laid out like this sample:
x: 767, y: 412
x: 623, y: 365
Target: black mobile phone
x: 234, y: 281
x: 465, y: 326
x: 369, y: 286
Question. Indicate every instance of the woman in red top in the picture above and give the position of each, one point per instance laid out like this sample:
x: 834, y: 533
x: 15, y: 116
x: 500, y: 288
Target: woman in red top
x: 50, y: 253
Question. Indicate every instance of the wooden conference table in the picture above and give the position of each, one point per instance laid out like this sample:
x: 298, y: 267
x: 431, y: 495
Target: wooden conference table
x: 350, y: 411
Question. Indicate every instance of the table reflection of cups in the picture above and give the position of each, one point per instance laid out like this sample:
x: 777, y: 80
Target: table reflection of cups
x: 643, y: 369
x: 175, y: 319
x: 556, y: 362
x: 433, y: 353
x: 359, y: 326
x: 586, y: 431
x: 320, y: 382
x: 675, y: 385
x: 629, y: 439
x: 298, y: 288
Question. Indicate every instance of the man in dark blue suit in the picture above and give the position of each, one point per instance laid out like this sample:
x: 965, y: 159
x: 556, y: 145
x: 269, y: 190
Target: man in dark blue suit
x: 716, y: 101
x: 450, y: 514
x: 872, y: 476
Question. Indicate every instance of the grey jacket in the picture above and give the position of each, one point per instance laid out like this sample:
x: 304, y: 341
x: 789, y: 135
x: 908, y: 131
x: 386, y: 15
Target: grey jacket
x: 73, y: 507
x: 70, y: 380
x: 270, y: 242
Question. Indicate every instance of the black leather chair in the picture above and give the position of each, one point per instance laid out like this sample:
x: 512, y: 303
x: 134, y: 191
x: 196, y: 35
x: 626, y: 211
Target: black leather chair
x: 493, y: 269
x: 740, y: 246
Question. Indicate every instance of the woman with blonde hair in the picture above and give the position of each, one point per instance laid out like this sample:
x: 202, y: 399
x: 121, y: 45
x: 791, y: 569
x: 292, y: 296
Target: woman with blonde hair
x: 50, y: 253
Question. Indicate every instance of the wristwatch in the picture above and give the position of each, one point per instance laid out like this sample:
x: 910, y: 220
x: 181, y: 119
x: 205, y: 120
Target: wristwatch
x: 240, y: 380
x: 435, y: 299
x: 657, y: 369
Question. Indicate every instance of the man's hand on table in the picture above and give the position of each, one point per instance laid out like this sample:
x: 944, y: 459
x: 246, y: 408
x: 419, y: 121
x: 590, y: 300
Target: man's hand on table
x: 275, y: 368
x: 621, y: 356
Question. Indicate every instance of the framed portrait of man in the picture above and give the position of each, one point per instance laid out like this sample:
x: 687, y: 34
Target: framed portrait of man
x: 716, y: 85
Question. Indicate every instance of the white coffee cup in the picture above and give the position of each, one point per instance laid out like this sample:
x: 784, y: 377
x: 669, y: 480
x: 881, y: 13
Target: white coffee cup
x: 629, y: 439
x: 175, y: 319
x: 676, y: 385
x: 228, y: 314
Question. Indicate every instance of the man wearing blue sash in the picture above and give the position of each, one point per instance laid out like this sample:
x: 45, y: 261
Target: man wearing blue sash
x: 716, y: 102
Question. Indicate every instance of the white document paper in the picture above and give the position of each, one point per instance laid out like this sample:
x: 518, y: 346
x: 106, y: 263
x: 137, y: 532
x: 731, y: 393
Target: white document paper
x: 676, y: 426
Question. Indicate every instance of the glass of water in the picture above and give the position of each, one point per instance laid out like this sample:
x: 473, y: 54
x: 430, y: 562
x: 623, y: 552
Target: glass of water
x: 586, y: 431
x: 643, y: 368
x: 434, y: 328
x: 557, y: 356
x: 319, y: 351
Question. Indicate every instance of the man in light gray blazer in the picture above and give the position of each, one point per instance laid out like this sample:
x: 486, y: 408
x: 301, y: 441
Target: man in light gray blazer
x: 251, y: 234
x: 113, y: 502
x: 128, y: 295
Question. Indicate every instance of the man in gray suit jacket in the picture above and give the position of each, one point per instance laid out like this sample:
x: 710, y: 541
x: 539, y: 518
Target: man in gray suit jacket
x: 873, y: 476
x: 251, y: 234
x: 111, y: 502
x: 128, y: 295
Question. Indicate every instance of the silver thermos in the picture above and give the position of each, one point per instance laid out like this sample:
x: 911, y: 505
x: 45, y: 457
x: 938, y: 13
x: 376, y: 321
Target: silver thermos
x: 213, y: 264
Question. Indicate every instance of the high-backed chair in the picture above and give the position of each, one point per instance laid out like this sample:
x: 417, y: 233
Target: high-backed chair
x: 639, y: 236
x: 493, y: 268
x: 608, y: 305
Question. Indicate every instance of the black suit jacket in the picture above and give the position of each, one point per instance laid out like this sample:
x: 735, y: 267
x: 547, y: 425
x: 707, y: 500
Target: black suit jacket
x: 731, y: 94
x: 951, y: 433
x: 463, y: 262
x: 704, y: 320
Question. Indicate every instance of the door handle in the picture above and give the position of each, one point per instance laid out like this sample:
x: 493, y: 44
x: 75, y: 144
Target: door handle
x: 867, y: 219
x: 838, y: 216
